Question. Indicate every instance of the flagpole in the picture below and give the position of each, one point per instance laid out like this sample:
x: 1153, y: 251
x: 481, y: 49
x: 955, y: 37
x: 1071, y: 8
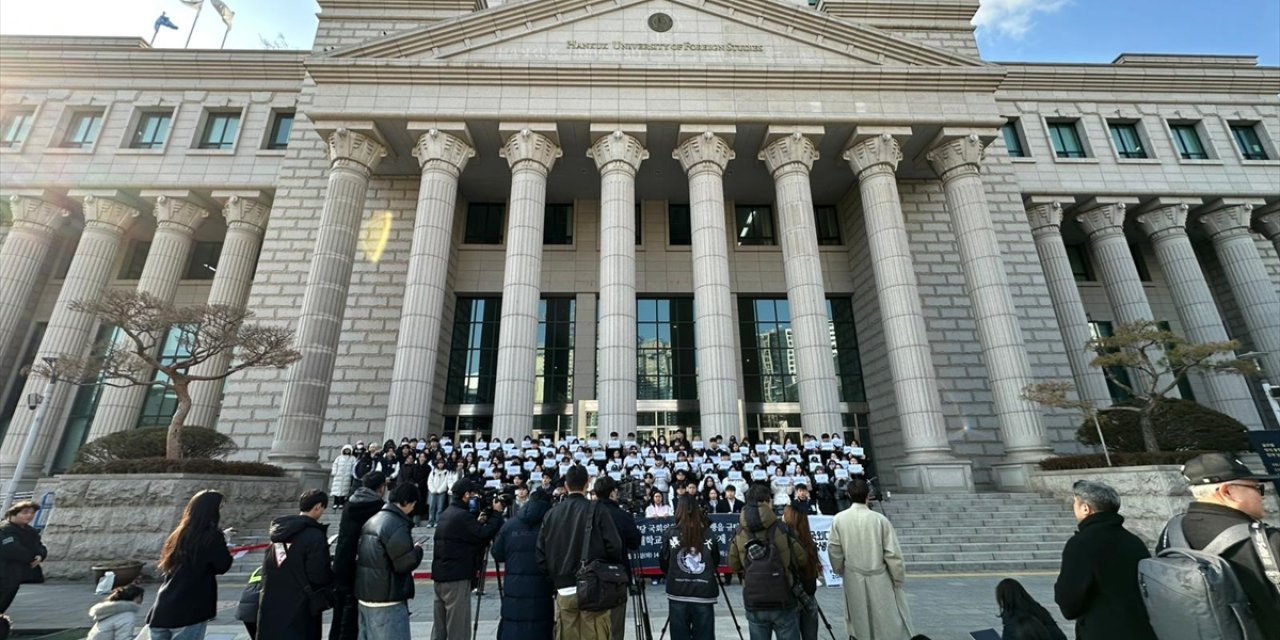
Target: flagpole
x: 224, y: 37
x: 153, y: 36
x: 193, y: 25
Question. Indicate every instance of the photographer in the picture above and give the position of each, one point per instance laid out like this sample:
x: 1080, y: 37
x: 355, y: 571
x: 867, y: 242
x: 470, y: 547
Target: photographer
x: 606, y: 490
x: 460, y: 540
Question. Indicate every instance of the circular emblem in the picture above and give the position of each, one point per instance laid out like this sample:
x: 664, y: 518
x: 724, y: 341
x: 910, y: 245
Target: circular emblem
x: 660, y: 22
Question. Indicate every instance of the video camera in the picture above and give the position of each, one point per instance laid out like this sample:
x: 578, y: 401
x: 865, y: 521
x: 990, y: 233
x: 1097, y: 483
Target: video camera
x: 633, y: 495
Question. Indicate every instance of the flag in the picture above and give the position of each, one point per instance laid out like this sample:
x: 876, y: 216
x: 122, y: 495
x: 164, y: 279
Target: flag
x: 164, y: 21
x: 192, y: 4
x: 223, y: 10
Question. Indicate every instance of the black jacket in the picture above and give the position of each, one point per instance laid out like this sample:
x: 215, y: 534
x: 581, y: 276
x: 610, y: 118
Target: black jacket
x: 690, y: 577
x: 1202, y: 523
x: 359, y: 508
x: 386, y: 557
x: 560, y: 541
x: 1025, y: 625
x: 19, y: 546
x: 1098, y: 584
x: 725, y: 506
x: 459, y: 542
x: 628, y: 532
x: 284, y: 611
x: 189, y: 595
x: 528, y: 604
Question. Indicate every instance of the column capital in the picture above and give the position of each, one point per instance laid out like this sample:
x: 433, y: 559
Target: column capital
x: 792, y: 152
x: 705, y: 151
x: 1044, y: 217
x: 618, y: 150
x: 109, y: 213
x: 438, y: 148
x: 354, y: 150
x: 1268, y: 224
x: 877, y: 153
x: 180, y: 214
x: 1227, y: 220
x: 37, y: 214
x: 247, y: 212
x: 527, y: 145
x: 1164, y: 220
x: 963, y: 153
x: 1104, y: 215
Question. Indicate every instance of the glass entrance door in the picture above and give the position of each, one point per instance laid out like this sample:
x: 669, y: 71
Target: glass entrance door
x: 667, y: 424
x: 762, y: 427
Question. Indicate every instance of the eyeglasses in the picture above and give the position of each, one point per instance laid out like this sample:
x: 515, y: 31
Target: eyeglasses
x: 1260, y: 488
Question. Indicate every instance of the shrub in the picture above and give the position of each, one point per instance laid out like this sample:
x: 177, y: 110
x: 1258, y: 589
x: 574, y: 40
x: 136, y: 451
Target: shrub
x: 1123, y: 459
x: 1180, y: 425
x: 197, y: 443
x: 185, y: 465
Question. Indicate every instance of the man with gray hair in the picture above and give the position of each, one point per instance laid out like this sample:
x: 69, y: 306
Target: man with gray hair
x: 1098, y: 583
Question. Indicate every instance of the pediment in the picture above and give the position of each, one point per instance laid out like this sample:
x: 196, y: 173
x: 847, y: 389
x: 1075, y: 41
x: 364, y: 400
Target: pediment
x: 623, y: 32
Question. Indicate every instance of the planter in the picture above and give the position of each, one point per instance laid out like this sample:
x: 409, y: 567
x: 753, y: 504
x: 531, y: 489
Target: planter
x: 126, y: 572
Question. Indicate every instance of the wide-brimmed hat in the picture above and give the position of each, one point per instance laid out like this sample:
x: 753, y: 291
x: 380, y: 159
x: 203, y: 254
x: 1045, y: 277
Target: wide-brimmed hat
x: 1214, y: 468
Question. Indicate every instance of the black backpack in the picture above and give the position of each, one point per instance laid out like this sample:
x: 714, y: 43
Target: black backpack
x: 601, y: 585
x: 764, y: 582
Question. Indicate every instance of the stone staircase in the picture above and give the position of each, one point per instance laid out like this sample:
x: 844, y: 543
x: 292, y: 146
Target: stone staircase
x: 984, y: 532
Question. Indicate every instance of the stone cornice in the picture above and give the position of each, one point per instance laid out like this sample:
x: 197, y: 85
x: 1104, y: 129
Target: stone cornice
x: 1228, y: 221
x: 51, y: 67
x: 179, y: 214
x: 882, y: 13
x: 438, y: 149
x: 964, y: 153
x: 248, y: 213
x: 530, y: 148
x: 109, y: 214
x: 704, y: 152
x: 1133, y: 79
x: 354, y: 150
x: 1104, y: 219
x: 882, y: 153
x: 37, y: 215
x: 1161, y: 222
x: 618, y: 151
x: 795, y: 152
x: 1045, y: 217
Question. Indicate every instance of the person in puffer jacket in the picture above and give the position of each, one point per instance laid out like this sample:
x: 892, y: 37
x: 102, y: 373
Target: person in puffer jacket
x: 528, y: 611
x: 341, y: 473
x: 250, y: 599
x: 689, y: 558
x: 438, y: 484
x: 114, y: 618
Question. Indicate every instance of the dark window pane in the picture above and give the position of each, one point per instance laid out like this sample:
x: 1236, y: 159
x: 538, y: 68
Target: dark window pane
x: 1080, y: 266
x: 82, y: 129
x: 280, y: 128
x: 639, y: 227
x: 1140, y: 263
x: 25, y: 357
x: 1102, y: 329
x: 204, y: 261
x: 678, y: 226
x: 828, y: 225
x: 14, y: 127
x: 844, y: 348
x: 220, y: 131
x: 473, y: 355
x: 135, y: 260
x: 558, y: 224
x: 1247, y: 139
x: 755, y: 225
x: 1187, y: 140
x: 666, y: 367
x: 152, y: 131
x: 1012, y: 141
x: 485, y: 223
x: 1066, y: 140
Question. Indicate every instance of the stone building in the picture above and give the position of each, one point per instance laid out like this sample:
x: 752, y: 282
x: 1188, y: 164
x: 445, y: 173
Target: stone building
x: 738, y: 217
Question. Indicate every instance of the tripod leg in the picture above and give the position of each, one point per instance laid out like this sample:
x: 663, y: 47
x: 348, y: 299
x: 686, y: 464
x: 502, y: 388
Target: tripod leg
x: 734, y: 616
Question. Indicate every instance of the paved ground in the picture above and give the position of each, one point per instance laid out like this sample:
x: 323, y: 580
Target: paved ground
x: 944, y: 607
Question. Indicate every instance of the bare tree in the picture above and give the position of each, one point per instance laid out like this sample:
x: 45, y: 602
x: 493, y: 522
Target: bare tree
x: 279, y: 42
x: 143, y: 322
x: 1055, y: 394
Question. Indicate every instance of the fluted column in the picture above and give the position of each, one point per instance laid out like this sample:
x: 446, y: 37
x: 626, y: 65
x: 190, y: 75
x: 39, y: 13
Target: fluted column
x: 1103, y: 222
x: 789, y: 159
x: 353, y: 157
x: 22, y: 257
x: 704, y: 155
x: 929, y: 464
x: 1268, y: 224
x: 246, y: 216
x: 177, y: 219
x: 1166, y: 226
x: 531, y: 156
x: 1045, y: 219
x: 442, y: 156
x: 618, y: 156
x: 1255, y: 293
x: 70, y: 332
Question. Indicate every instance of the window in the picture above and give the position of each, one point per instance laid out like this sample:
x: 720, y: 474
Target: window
x: 558, y: 224
x: 1247, y: 139
x: 135, y: 260
x: 82, y: 129
x: 1080, y: 265
x: 1066, y: 140
x: 1013, y: 139
x: 755, y: 225
x: 204, y: 261
x: 1140, y: 263
x: 844, y: 347
x: 1184, y: 385
x: 281, y: 125
x: 553, y: 373
x: 473, y: 357
x: 484, y: 223
x: 666, y: 357
x: 1187, y: 140
x: 161, y: 401
x: 679, y: 230
x: 1102, y: 329
x: 768, y: 353
x: 220, y: 130
x: 152, y: 130
x: 828, y: 224
x: 1128, y: 142
x: 28, y: 354
x: 639, y: 218
x: 84, y: 406
x: 14, y: 127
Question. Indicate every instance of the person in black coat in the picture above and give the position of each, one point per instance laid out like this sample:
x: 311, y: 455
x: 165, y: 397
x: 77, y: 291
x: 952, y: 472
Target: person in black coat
x: 460, y: 539
x: 1098, y: 584
x: 731, y: 503
x: 296, y: 576
x: 1024, y: 618
x: 192, y: 558
x: 366, y: 501
x: 528, y: 605
x: 606, y: 490
x: 20, y: 550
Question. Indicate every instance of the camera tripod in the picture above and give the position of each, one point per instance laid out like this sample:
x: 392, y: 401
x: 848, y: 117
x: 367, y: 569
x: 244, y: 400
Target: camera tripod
x: 639, y: 601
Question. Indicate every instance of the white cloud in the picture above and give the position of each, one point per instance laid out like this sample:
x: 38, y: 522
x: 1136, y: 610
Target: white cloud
x: 1012, y: 18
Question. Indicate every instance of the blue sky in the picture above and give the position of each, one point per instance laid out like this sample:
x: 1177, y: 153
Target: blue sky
x: 1008, y: 30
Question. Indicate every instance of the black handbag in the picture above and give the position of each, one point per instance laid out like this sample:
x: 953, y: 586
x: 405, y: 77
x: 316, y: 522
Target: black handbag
x: 601, y: 585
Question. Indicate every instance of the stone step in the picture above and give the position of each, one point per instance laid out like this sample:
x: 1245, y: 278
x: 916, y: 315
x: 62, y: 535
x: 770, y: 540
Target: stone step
x: 1000, y: 508
x: 987, y: 536
x: 984, y: 546
x: 983, y: 556
x: 986, y: 566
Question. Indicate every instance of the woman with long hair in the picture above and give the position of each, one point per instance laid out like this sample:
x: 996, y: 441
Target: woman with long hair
x: 1023, y: 617
x: 799, y: 524
x: 689, y: 557
x: 192, y: 558
x: 114, y: 617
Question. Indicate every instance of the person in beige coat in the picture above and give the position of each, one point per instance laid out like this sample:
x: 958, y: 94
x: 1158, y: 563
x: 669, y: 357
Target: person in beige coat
x: 864, y: 551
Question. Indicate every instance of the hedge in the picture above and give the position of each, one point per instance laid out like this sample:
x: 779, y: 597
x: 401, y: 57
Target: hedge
x: 185, y: 465
x: 1180, y: 425
x: 1118, y: 459
x: 134, y: 444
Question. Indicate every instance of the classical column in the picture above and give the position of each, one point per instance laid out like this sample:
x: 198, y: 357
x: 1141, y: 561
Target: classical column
x: 618, y: 155
x: 704, y: 152
x: 107, y: 219
x: 36, y: 221
x: 246, y: 215
x: 1045, y: 218
x: 1166, y: 226
x: 929, y: 466
x: 353, y: 157
x: 1268, y: 224
x: 442, y: 156
x: 531, y: 156
x: 789, y: 158
x: 177, y: 219
x: 1255, y: 293
x: 1003, y: 351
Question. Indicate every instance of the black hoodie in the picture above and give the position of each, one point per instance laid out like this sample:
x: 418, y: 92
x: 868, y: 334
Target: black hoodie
x: 296, y: 561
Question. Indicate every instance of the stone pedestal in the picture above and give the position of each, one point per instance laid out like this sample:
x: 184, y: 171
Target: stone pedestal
x: 935, y: 476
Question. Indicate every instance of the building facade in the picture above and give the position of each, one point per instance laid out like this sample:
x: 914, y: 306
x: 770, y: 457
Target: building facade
x: 746, y: 217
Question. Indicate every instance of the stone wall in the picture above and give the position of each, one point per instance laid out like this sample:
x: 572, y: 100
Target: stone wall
x: 107, y: 518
